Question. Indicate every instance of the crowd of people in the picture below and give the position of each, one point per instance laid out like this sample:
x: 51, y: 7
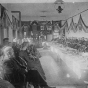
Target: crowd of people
x: 21, y: 61
x: 21, y: 64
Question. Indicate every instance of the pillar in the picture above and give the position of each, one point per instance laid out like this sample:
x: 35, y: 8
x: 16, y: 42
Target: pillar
x: 2, y: 34
x: 20, y: 30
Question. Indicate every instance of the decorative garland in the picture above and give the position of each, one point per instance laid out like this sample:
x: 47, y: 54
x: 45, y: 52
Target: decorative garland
x: 84, y: 26
x: 75, y: 27
x: 72, y: 26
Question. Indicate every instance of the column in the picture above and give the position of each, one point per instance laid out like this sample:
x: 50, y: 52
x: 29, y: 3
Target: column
x: 2, y: 34
x: 16, y: 34
x: 10, y: 34
x: 5, y: 33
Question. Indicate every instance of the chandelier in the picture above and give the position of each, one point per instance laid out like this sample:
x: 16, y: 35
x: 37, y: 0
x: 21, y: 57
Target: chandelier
x: 59, y: 5
x: 59, y: 9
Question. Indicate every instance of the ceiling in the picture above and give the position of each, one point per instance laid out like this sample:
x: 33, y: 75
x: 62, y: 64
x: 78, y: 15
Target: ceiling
x: 39, y: 1
x: 46, y: 11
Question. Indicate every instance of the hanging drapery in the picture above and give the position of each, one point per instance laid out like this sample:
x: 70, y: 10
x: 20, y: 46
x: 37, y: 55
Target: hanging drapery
x: 85, y: 28
x: 66, y: 27
x: 14, y: 22
x: 4, y: 20
x: 79, y: 25
x: 62, y: 30
x: 2, y: 11
x: 8, y: 22
x: 72, y: 26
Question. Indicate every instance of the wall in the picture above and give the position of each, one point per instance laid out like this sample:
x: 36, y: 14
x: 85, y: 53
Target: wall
x: 48, y: 18
x: 9, y: 32
x: 5, y: 33
x: 1, y: 35
x: 9, y: 9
